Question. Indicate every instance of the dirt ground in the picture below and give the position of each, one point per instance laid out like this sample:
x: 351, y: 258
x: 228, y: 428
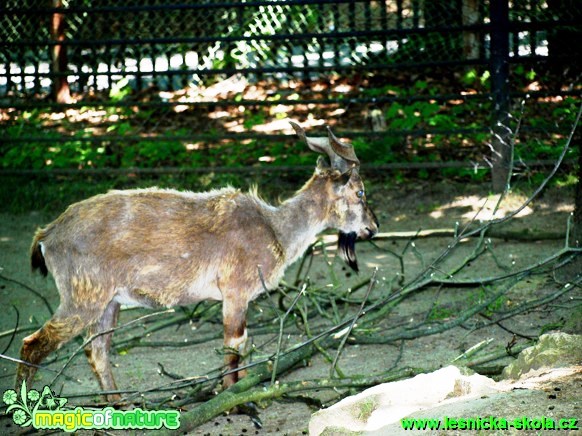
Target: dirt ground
x: 400, y: 208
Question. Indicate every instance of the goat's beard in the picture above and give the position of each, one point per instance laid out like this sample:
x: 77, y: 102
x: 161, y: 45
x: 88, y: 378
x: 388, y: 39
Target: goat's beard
x: 346, y: 245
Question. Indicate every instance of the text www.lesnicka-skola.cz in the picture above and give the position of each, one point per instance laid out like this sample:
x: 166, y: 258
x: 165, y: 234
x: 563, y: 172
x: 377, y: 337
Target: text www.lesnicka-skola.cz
x: 490, y: 423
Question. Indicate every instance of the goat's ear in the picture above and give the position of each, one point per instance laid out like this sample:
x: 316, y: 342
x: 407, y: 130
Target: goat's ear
x: 345, y: 177
x: 322, y: 164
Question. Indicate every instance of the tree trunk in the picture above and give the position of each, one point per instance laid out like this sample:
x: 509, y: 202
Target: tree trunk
x: 61, y: 89
x: 572, y: 270
x: 471, y: 40
x: 576, y: 237
x: 234, y: 396
x: 499, y: 64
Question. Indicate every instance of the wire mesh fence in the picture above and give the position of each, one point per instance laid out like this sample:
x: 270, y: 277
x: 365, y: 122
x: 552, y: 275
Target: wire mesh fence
x: 92, y: 84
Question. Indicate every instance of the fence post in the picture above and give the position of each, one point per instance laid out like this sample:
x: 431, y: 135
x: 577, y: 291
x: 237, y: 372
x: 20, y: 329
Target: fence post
x: 499, y: 68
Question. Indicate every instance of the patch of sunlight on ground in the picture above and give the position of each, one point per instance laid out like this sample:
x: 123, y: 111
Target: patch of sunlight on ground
x: 485, y: 208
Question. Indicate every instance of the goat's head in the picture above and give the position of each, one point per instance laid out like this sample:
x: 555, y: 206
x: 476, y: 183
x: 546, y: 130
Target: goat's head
x: 348, y: 209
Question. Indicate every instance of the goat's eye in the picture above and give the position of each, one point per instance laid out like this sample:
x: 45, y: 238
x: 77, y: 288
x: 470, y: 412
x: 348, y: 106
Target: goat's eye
x: 360, y: 193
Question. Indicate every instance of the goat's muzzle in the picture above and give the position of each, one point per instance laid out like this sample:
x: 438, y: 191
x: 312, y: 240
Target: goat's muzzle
x: 370, y: 233
x: 346, y: 242
x: 371, y: 229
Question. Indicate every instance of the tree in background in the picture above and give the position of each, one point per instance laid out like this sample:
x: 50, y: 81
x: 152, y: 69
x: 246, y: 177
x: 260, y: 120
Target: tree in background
x: 61, y: 88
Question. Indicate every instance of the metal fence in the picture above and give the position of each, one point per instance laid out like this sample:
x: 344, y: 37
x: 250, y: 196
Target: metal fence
x: 203, y: 83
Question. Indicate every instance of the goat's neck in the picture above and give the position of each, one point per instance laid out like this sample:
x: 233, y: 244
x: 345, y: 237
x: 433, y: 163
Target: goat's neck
x: 299, y: 219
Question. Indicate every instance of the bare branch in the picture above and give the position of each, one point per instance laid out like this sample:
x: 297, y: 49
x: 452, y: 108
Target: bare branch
x: 28, y: 288
x: 347, y: 333
x: 96, y: 335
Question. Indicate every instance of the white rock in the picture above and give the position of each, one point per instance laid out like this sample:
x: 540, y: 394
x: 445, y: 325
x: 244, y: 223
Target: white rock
x: 452, y: 392
x: 387, y: 403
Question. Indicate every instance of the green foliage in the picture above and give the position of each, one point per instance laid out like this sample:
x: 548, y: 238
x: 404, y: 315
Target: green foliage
x: 476, y: 175
x: 558, y: 325
x: 482, y: 295
x: 34, y: 140
x: 120, y: 90
x: 431, y: 114
x: 473, y: 77
x: 151, y: 153
x: 566, y: 111
x: 377, y: 151
x: 254, y: 119
x: 523, y: 76
x: 52, y: 193
x: 439, y: 313
x: 366, y: 408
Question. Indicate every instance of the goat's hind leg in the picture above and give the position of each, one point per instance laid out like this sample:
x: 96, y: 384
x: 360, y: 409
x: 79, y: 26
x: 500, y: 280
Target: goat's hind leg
x: 57, y: 331
x: 78, y: 309
x: 97, y: 351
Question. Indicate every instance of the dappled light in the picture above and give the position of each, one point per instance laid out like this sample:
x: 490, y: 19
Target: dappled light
x: 483, y: 209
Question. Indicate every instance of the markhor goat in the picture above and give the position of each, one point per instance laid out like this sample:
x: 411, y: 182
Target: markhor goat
x: 161, y: 248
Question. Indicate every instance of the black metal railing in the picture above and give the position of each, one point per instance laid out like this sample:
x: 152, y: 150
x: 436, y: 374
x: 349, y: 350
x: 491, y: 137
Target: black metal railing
x: 136, y: 63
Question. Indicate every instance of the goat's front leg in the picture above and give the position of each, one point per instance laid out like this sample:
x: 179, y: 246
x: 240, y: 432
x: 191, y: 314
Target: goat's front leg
x: 235, y: 338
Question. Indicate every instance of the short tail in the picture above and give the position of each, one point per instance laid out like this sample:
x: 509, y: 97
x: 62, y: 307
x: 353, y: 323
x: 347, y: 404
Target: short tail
x: 36, y: 256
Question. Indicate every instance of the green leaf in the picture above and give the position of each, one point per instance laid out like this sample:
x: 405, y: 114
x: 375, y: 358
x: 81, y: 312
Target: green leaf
x: 23, y: 394
x: 15, y: 406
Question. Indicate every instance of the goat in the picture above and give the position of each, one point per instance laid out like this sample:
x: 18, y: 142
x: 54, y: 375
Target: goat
x: 161, y: 248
